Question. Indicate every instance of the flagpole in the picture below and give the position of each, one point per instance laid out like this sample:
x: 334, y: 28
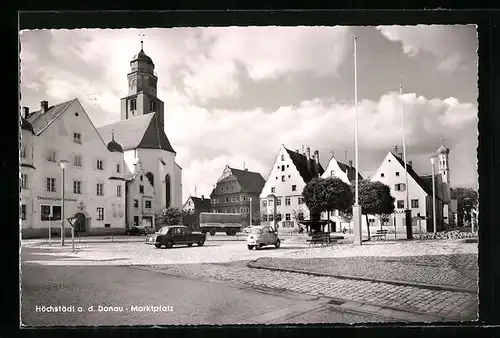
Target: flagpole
x: 407, y: 209
x: 356, y: 209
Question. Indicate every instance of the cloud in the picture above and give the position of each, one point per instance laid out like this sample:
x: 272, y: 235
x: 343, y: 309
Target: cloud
x: 255, y: 136
x: 444, y: 42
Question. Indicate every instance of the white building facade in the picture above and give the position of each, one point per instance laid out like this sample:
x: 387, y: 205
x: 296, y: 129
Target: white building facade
x: 94, y: 187
x: 281, y: 200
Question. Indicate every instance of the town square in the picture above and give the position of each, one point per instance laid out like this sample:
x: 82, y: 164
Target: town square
x: 248, y: 175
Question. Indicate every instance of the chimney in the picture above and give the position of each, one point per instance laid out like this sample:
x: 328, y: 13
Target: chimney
x: 202, y: 197
x: 26, y: 112
x: 297, y: 151
x: 44, y: 105
x: 308, y: 152
x: 246, y: 169
x: 410, y: 163
x: 350, y: 163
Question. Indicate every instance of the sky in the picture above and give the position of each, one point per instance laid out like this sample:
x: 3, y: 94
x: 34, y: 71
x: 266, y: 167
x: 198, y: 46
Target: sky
x: 234, y: 95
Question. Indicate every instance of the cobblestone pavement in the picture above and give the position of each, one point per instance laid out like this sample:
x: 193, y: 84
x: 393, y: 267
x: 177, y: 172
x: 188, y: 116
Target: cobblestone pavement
x: 446, y: 304
x: 446, y: 270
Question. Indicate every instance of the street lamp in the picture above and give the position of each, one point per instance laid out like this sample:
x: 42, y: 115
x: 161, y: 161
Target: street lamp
x: 250, y: 211
x: 433, y: 196
x: 62, y: 164
x: 356, y: 208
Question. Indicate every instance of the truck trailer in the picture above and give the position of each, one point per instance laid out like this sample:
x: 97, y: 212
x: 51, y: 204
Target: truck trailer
x: 230, y: 223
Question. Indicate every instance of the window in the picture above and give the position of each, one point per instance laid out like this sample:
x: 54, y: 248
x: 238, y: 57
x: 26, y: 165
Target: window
x: 45, y: 212
x: 270, y: 201
x: 288, y: 176
x: 273, y: 190
x: 278, y: 217
x: 56, y: 212
x: 414, y: 203
x: 382, y: 175
x: 400, y: 204
x: 270, y: 217
x: 287, y: 201
x: 23, y: 212
x: 152, y: 106
x: 301, y: 200
x: 287, y: 165
x: 100, y: 189
x: 107, y: 225
x: 77, y: 138
x: 244, y: 197
x: 400, y: 187
x: 51, y: 184
x: 136, y: 203
x: 118, y: 169
x: 283, y: 168
x: 133, y: 104
x: 287, y: 217
x: 397, y: 173
x: 141, y: 178
x: 24, y: 181
x: 141, y: 189
x: 264, y: 218
x: 51, y: 156
x: 226, y: 200
x: 77, y: 161
x: 118, y: 191
x: 282, y: 157
x: 77, y: 187
x: 237, y: 198
x: 294, y: 187
x: 99, y: 165
x: 100, y: 213
x: 232, y: 198
x: 147, y: 204
x: 278, y: 201
x: 283, y: 178
x: 264, y: 203
x: 23, y: 151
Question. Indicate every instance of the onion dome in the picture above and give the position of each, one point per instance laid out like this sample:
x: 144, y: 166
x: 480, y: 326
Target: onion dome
x: 141, y: 56
x: 442, y: 150
x: 114, y: 146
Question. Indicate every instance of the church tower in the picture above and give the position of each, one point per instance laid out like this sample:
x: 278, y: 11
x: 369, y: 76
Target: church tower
x: 142, y: 90
x: 444, y: 169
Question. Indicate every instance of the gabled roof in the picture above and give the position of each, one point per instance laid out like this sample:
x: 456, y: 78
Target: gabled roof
x: 201, y: 204
x: 25, y: 125
x: 40, y: 119
x: 306, y: 167
x: 427, y: 180
x: 142, y: 131
x: 351, y: 171
x: 419, y: 180
x: 250, y: 181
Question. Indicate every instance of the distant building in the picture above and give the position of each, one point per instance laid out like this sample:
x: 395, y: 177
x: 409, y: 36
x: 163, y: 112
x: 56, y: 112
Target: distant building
x: 193, y: 206
x: 392, y: 173
x: 140, y: 194
x: 281, y: 199
x: 234, y: 190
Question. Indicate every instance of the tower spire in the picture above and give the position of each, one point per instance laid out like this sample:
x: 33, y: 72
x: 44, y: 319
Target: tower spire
x: 142, y: 35
x: 113, y: 134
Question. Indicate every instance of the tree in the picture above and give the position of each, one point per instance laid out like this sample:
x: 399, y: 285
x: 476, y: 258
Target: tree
x: 326, y: 194
x: 375, y: 199
x: 467, y: 199
x: 171, y: 216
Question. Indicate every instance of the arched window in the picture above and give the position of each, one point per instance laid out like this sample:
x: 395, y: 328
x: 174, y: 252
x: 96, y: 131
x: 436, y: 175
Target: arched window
x: 167, y: 190
x: 150, y: 177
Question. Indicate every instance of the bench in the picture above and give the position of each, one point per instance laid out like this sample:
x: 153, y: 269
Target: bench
x: 380, y: 234
x: 321, y: 238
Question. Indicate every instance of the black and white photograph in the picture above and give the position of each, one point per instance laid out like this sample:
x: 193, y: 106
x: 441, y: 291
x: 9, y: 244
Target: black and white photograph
x: 255, y: 175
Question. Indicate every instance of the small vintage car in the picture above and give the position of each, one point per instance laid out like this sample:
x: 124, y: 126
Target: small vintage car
x: 262, y: 235
x: 169, y: 236
x: 137, y: 230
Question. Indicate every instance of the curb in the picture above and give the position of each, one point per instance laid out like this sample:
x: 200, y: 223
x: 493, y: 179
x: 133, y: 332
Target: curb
x: 255, y: 265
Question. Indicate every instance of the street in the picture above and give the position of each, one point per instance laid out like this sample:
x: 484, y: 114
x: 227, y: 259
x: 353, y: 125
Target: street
x: 224, y: 283
x: 185, y: 300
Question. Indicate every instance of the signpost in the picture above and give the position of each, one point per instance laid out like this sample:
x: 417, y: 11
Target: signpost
x: 71, y: 221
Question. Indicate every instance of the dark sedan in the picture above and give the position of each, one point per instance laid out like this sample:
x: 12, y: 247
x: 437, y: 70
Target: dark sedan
x: 169, y: 236
x: 138, y: 230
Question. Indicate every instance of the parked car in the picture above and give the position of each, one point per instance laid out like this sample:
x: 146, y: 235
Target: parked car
x: 137, y: 230
x: 262, y: 235
x: 169, y: 236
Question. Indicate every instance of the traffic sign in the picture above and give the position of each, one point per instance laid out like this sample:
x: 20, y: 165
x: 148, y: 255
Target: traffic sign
x: 71, y: 221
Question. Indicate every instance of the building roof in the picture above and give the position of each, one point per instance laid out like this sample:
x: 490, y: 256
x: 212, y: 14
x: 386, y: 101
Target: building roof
x: 201, y: 203
x: 423, y: 183
x: 114, y: 146
x: 142, y: 131
x: 443, y: 150
x: 25, y: 125
x: 308, y: 171
x: 350, y: 170
x: 40, y: 119
x: 250, y: 181
x: 427, y: 180
x: 142, y: 57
